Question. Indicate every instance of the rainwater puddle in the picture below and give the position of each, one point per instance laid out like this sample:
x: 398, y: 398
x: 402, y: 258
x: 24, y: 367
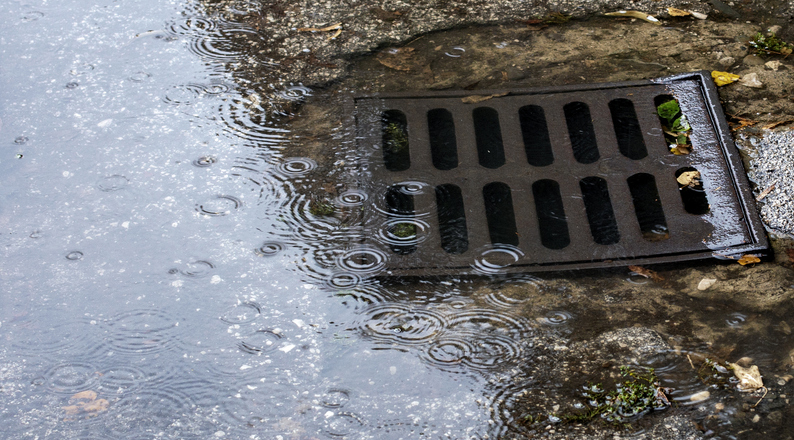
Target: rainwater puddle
x: 179, y: 256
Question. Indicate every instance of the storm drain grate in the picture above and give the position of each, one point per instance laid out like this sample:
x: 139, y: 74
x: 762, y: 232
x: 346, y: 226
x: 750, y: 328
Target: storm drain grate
x: 549, y: 179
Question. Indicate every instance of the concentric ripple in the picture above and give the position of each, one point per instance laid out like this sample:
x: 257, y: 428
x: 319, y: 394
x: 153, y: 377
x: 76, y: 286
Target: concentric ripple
x: 155, y: 408
x: 143, y: 331
x: 197, y: 269
x: 219, y: 206
x: 296, y: 166
x: 401, y: 324
x: 294, y: 93
x: 489, y: 322
x: 494, y: 260
x: 47, y: 333
x: 335, y: 398
x: 472, y: 351
x: 352, y: 198
x: 736, y: 320
x: 241, y: 313
x: 555, y: 318
x: 112, y: 183
x: 183, y: 94
x: 243, y: 117
x: 342, y: 424
x: 122, y: 380
x: 269, y: 249
x: 71, y: 377
x: 261, y: 341
x: 191, y: 26
x: 74, y: 256
x: 343, y: 280
x: 139, y: 76
x: 362, y: 260
x: 204, y: 161
x: 389, y: 235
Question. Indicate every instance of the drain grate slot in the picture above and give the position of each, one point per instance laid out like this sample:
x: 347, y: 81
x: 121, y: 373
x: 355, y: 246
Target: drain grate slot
x: 544, y: 179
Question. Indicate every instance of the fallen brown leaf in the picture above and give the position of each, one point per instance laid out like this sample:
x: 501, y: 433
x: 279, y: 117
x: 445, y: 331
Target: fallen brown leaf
x: 765, y: 192
x: 748, y: 259
x: 678, y: 12
x: 772, y: 125
x: 689, y: 178
x: 647, y: 273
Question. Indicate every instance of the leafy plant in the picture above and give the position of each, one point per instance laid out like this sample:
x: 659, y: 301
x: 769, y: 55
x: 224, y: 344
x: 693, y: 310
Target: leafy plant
x: 639, y: 394
x: 403, y: 230
x: 765, y: 45
x: 676, y: 127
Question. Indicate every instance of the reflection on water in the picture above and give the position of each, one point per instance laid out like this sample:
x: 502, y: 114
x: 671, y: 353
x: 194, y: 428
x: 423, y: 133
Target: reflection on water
x: 163, y: 270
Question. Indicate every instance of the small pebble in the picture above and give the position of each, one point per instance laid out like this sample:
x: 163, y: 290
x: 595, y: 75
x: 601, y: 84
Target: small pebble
x: 698, y: 397
x: 751, y: 80
x: 705, y: 283
x: 756, y: 418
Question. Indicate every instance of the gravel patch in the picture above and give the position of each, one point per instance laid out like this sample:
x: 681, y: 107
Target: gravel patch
x: 772, y: 162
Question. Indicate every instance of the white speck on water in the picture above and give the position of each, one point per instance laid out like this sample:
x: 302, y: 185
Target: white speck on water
x: 67, y: 174
x: 177, y: 283
x: 220, y: 434
x: 287, y: 348
x: 299, y: 323
x: 215, y: 279
x: 393, y: 370
x: 125, y: 225
x: 246, y: 367
x: 105, y: 123
x: 329, y: 414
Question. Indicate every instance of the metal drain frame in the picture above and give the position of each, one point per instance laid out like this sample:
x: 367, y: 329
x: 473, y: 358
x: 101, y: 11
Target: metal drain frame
x: 731, y: 228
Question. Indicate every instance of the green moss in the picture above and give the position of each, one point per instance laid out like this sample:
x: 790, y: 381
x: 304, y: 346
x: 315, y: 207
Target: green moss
x: 395, y: 138
x: 403, y: 230
x: 675, y: 126
x: 765, y: 45
x: 640, y: 393
x: 321, y: 208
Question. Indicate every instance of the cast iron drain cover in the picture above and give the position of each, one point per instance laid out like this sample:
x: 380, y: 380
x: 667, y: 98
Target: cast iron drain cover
x: 548, y: 179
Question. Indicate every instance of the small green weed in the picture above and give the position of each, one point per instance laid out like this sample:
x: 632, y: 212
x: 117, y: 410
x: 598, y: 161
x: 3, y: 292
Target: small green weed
x: 403, y: 230
x: 395, y: 138
x: 765, y: 45
x: 676, y: 127
x: 639, y: 394
x: 319, y: 208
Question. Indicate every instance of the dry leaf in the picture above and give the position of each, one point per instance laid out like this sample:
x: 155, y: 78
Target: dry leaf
x: 772, y: 125
x: 678, y: 12
x: 723, y: 78
x: 699, y: 15
x: 748, y: 259
x: 635, y: 14
x: 749, y: 378
x: 647, y: 273
x: 85, y: 403
x: 689, y: 178
x: 473, y: 99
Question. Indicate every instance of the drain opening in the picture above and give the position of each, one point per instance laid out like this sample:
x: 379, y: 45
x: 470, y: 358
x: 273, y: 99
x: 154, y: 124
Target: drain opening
x: 443, y: 144
x: 627, y: 129
x: 692, y: 193
x: 499, y: 214
x: 488, y: 134
x: 452, y: 219
x: 580, y: 130
x: 598, y: 207
x: 648, y: 207
x: 535, y: 132
x: 401, y: 207
x: 551, y: 215
x: 395, y: 140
